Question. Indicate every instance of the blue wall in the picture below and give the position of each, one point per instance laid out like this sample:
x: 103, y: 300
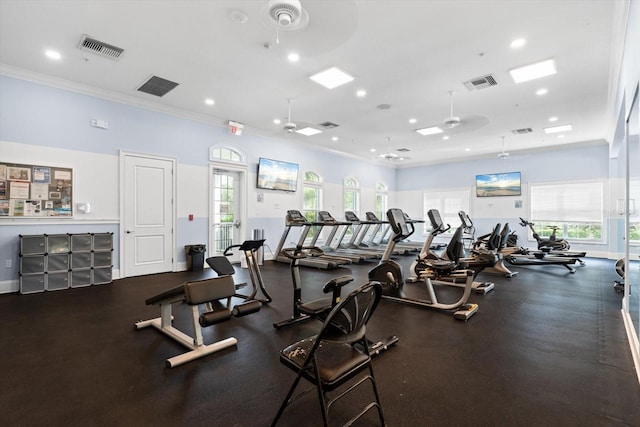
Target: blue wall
x: 40, y: 124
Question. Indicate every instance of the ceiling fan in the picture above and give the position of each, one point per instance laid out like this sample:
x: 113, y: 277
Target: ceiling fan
x: 466, y: 124
x: 304, y: 128
x: 504, y: 155
x: 451, y: 121
x: 290, y: 126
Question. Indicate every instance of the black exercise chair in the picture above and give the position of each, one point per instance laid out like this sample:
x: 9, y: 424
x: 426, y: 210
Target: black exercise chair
x: 337, y: 354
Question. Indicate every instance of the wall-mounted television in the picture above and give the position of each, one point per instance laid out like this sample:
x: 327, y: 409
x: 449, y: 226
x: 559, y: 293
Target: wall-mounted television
x: 498, y: 184
x: 277, y: 175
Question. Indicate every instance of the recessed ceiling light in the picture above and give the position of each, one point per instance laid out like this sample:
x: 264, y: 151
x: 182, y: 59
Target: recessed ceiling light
x: 361, y: 93
x: 238, y: 16
x: 334, y: 138
x: 331, y: 78
x: 467, y: 149
x: 293, y: 57
x: 542, y: 91
x: 209, y: 101
x: 445, y: 137
x: 373, y: 150
x: 53, y: 54
x: 308, y: 131
x: 429, y: 131
x: 556, y: 129
x: 533, y: 71
x: 277, y: 121
x: 560, y: 136
x: 412, y: 120
x: 553, y: 119
x: 518, y: 43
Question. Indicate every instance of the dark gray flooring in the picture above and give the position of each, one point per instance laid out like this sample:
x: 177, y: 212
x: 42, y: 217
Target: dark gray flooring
x: 546, y: 348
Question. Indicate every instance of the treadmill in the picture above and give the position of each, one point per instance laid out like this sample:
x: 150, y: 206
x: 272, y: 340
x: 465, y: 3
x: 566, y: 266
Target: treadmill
x: 358, y: 256
x: 359, y: 231
x: 295, y: 218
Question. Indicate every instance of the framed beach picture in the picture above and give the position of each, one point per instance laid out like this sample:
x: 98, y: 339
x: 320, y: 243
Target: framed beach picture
x: 498, y: 184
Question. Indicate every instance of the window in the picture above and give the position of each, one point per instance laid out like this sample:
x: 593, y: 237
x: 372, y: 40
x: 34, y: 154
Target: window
x: 448, y: 203
x: 381, y: 201
x: 312, y: 203
x: 351, y: 200
x: 576, y: 208
x: 352, y: 195
x: 226, y: 155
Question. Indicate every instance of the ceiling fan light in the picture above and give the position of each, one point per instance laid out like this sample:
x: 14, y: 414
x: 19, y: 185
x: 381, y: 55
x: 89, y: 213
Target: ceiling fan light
x: 452, y: 122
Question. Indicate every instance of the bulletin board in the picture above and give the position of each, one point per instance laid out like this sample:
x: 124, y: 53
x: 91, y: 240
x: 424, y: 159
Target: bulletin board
x: 35, y: 191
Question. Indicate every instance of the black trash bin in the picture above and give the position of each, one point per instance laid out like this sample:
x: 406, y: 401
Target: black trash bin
x: 195, y: 257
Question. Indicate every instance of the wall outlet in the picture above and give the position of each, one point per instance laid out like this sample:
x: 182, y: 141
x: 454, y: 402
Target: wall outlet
x: 8, y: 263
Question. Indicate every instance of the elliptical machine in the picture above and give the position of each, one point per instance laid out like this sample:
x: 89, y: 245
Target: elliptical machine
x: 389, y: 273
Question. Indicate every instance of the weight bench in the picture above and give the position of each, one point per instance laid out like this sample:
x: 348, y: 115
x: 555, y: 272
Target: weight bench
x: 205, y: 292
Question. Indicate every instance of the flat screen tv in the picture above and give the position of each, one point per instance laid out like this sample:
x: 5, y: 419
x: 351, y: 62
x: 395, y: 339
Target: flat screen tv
x: 277, y: 175
x: 498, y: 184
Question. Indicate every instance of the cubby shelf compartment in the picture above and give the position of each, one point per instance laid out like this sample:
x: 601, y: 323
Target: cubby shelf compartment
x: 51, y: 262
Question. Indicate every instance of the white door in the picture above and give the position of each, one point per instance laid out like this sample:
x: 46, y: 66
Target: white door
x: 148, y: 212
x: 227, y: 211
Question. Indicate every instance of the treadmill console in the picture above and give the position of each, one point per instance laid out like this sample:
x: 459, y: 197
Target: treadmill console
x: 295, y: 217
x: 372, y: 217
x: 324, y: 216
x: 351, y: 216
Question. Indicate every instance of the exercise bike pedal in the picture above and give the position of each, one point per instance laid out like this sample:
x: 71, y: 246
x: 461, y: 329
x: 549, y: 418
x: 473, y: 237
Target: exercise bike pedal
x: 466, y: 311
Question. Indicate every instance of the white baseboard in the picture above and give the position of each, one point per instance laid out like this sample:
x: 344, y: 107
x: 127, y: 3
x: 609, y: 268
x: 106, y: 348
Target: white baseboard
x: 633, y: 342
x: 9, y: 286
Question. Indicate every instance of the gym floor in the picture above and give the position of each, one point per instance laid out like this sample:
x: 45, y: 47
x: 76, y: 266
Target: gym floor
x: 546, y: 348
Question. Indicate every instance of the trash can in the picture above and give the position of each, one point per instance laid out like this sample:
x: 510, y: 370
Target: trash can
x: 195, y: 257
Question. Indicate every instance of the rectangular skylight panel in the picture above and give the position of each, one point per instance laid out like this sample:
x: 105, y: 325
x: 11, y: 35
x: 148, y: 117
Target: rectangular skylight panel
x: 557, y: 129
x: 534, y: 71
x: 308, y: 131
x: 429, y: 131
x: 331, y: 78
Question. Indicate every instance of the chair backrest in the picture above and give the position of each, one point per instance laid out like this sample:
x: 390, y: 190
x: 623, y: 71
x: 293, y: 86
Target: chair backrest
x: 346, y: 322
x: 504, y: 236
x: 455, y: 248
x: 493, y: 242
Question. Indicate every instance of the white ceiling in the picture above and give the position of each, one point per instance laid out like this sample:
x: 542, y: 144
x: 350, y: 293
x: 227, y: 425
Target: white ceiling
x: 408, y: 54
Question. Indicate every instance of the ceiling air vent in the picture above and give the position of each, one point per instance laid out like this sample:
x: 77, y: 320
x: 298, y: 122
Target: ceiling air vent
x: 480, y: 82
x: 521, y: 131
x: 157, y: 86
x: 100, y: 48
x: 329, y: 125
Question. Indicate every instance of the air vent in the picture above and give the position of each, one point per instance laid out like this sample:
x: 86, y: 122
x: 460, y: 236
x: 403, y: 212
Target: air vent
x: 157, y: 86
x: 522, y: 131
x: 329, y: 125
x: 403, y: 150
x: 100, y: 48
x: 480, y: 82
